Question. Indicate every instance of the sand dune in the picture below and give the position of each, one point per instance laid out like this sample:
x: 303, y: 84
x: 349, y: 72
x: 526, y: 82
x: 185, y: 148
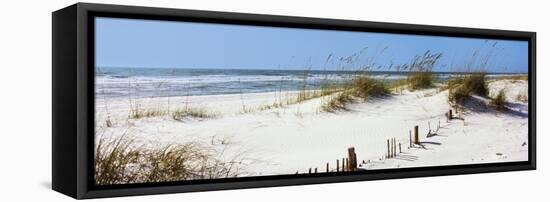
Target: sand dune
x: 296, y: 137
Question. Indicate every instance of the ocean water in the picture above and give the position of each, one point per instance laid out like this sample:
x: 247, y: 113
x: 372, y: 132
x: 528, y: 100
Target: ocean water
x: 161, y: 82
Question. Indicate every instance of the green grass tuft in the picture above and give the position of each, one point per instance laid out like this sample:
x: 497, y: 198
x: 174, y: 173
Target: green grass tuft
x: 193, y: 112
x: 337, y: 102
x: 499, y: 101
x: 458, y: 94
x: 461, y: 87
x: 365, y: 87
x: 420, y: 80
x: 477, y: 84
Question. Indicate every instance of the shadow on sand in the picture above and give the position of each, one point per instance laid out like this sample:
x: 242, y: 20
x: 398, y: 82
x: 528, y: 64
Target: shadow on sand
x: 406, y: 157
x: 476, y: 104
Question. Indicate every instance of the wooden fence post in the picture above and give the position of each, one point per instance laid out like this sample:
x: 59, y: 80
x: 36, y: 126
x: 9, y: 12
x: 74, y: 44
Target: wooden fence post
x: 347, y: 164
x: 309, y: 171
x: 352, y: 159
x: 327, y: 167
x: 416, y: 135
x: 315, y: 170
x: 343, y: 165
x: 394, y: 147
x: 400, y: 147
x: 388, y: 144
x: 391, y: 151
x: 410, y: 139
x: 337, y: 165
x: 391, y: 148
x: 450, y: 114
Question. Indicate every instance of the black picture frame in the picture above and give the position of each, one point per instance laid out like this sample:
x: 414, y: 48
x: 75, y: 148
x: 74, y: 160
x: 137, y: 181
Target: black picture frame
x: 73, y: 100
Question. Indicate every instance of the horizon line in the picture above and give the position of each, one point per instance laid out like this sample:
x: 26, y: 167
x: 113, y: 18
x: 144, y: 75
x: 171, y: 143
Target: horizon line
x: 311, y: 69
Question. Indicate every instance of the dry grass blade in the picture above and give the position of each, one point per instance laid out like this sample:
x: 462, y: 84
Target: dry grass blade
x: 114, y: 161
x: 191, y: 112
x: 121, y: 161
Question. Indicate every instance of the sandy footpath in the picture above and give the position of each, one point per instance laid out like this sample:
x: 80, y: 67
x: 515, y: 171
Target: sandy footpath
x: 296, y: 137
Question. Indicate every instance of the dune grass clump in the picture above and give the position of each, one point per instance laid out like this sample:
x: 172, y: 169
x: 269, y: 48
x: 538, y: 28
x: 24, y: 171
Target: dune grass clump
x: 455, y: 81
x: 420, y: 80
x: 136, y: 113
x: 191, y: 112
x: 121, y: 161
x: 499, y: 101
x: 421, y: 67
x: 274, y: 105
x: 365, y: 87
x: 398, y: 85
x: 174, y: 162
x: 177, y: 114
x: 361, y: 87
x: 337, y: 102
x: 115, y: 161
x: 458, y: 94
x: 461, y: 87
x: 305, y: 95
x: 477, y: 84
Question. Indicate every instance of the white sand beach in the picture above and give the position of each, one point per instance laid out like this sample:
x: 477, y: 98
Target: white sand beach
x: 296, y: 137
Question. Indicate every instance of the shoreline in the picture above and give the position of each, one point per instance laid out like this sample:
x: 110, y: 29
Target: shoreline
x: 162, y: 86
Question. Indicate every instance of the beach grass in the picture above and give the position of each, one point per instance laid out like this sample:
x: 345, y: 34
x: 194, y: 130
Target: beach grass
x: 174, y: 162
x: 177, y: 113
x: 274, y: 105
x: 304, y: 93
x: 398, y: 85
x: 477, y: 83
x: 420, y: 80
x: 328, y: 88
x: 499, y: 101
x: 421, y: 67
x: 114, y: 160
x: 461, y: 87
x: 337, y: 102
x: 458, y: 94
x: 137, y: 113
x: 191, y: 112
x: 362, y: 86
x: 365, y: 86
x: 122, y: 161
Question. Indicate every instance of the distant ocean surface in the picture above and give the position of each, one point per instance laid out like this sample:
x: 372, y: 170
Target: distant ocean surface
x: 162, y: 82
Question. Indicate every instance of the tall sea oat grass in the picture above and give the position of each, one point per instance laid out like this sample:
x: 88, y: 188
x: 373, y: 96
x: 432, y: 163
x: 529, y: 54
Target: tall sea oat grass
x: 122, y: 161
x: 421, y: 67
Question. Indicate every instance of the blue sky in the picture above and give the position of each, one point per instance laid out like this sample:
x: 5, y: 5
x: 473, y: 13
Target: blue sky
x: 166, y: 44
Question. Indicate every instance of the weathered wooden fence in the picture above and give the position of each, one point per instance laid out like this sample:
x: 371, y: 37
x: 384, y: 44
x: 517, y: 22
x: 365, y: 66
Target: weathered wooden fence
x: 393, y: 149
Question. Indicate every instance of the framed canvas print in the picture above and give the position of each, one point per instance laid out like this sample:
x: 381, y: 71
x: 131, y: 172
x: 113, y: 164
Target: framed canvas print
x: 154, y: 100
